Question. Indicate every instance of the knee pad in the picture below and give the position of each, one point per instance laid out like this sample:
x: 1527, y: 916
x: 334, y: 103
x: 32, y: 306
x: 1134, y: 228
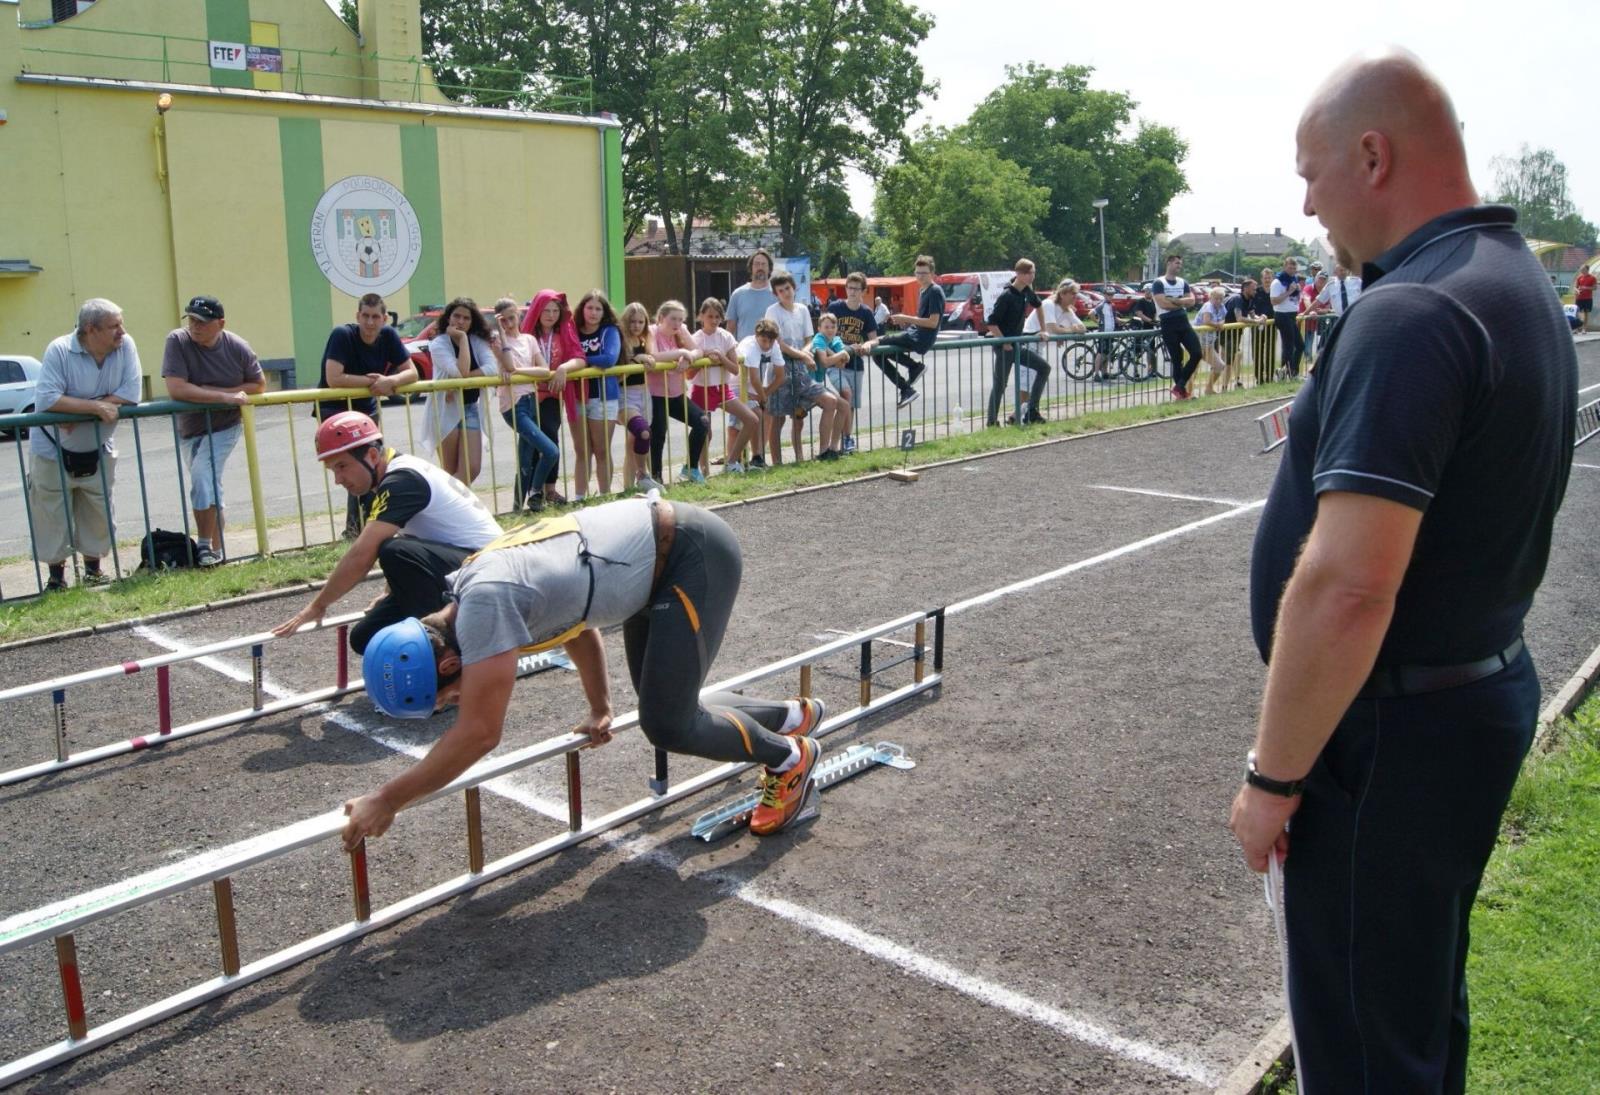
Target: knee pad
x: 641, y: 433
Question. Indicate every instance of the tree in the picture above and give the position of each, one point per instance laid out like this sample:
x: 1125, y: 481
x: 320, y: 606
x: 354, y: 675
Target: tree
x: 838, y: 79
x: 1075, y: 141
x: 964, y: 205
x: 1535, y: 182
x: 695, y: 114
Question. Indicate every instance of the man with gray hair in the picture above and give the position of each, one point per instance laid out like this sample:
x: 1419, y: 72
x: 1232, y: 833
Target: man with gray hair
x: 1401, y: 545
x: 90, y: 371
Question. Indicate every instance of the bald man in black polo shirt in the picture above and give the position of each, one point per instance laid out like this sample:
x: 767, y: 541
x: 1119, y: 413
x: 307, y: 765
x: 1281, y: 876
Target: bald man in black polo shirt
x: 1427, y: 456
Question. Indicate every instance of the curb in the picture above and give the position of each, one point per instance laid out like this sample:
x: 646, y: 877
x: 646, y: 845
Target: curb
x: 1274, y: 1047
x: 794, y: 492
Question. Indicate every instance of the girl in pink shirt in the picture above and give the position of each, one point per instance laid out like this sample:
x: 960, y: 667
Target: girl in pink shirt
x: 669, y: 342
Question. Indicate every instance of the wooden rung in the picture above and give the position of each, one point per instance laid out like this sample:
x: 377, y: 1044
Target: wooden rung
x: 574, y: 793
x: 474, y: 830
x: 227, y: 928
x: 805, y: 680
x: 71, y: 987
x: 358, y: 882
x: 922, y: 635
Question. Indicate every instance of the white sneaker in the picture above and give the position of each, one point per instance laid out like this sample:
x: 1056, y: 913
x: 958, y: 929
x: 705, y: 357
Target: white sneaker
x: 207, y: 558
x: 647, y: 484
x: 733, y: 468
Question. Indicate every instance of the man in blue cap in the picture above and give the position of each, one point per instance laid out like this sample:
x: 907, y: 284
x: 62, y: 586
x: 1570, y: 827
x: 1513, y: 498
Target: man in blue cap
x: 667, y: 572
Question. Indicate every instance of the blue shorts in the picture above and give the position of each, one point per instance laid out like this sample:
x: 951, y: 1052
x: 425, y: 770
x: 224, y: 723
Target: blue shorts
x: 207, y: 455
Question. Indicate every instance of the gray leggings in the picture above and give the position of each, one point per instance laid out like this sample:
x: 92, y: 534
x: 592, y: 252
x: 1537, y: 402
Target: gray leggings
x: 673, y: 640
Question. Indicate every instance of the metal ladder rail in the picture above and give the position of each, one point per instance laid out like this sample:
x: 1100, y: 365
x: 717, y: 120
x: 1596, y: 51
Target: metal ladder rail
x: 165, y: 732
x: 1588, y: 422
x: 1274, y: 426
x: 59, y: 920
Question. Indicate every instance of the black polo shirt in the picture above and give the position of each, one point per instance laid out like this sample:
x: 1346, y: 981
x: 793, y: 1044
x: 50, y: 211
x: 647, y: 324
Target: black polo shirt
x: 1450, y: 387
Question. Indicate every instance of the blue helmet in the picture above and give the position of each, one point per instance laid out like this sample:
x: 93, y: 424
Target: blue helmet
x: 398, y: 668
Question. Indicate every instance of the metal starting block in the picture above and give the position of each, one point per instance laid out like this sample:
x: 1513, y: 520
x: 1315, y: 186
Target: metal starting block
x: 529, y: 664
x: 718, y: 823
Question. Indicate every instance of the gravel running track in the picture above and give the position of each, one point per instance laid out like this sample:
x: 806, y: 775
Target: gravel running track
x: 1049, y: 901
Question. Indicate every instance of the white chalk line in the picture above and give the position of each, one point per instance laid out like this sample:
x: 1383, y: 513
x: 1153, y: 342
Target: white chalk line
x: 634, y: 847
x: 1104, y: 557
x: 1591, y: 467
x: 1168, y: 494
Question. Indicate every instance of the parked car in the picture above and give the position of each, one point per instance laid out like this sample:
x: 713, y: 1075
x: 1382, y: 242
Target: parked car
x: 963, y: 304
x: 1122, y: 295
x: 19, y: 375
x: 416, y: 332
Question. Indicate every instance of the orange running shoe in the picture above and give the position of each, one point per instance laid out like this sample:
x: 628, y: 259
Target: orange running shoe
x: 784, y: 793
x: 812, y: 712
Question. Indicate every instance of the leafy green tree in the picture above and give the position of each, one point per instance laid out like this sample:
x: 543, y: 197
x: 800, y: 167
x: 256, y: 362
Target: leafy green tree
x: 1075, y: 141
x: 837, y: 80
x: 1535, y: 182
x: 695, y: 116
x: 966, y: 206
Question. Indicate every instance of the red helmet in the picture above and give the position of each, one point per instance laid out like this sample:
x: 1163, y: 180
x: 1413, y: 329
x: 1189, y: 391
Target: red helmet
x: 345, y: 431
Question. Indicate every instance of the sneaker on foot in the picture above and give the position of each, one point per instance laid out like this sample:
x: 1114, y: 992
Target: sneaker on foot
x: 693, y: 475
x: 906, y: 396
x: 733, y: 468
x: 96, y: 578
x: 56, y: 584
x: 849, y: 445
x: 784, y: 793
x: 208, y: 557
x: 812, y: 712
x: 828, y: 454
x: 758, y: 461
x: 647, y: 484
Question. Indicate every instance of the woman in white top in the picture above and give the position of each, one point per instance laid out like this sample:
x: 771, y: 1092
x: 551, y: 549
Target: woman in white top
x: 453, y: 425
x: 1208, y: 323
x: 1060, y: 313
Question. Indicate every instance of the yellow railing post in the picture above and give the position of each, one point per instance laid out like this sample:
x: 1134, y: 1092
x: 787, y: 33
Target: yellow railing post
x: 252, y: 458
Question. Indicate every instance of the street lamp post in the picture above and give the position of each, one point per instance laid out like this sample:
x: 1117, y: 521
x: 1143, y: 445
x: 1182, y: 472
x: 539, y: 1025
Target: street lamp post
x: 1100, y: 206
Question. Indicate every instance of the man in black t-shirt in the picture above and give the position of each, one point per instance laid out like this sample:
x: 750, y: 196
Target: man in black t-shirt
x: 1401, y: 546
x: 365, y: 354
x: 921, y: 332
x: 1005, y: 320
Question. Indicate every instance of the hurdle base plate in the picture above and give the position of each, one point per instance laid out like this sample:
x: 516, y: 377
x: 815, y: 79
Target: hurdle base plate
x: 716, y: 824
x: 904, y: 475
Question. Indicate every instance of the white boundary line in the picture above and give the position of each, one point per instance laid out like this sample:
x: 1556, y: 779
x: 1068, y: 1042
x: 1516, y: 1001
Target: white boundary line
x: 1168, y: 494
x: 1591, y: 467
x: 1104, y: 557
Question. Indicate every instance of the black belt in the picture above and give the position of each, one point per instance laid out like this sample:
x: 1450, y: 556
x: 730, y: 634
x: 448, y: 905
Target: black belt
x: 1410, y: 680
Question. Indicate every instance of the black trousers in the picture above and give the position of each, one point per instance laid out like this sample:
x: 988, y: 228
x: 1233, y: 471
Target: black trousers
x: 1003, y: 358
x: 415, y: 570
x: 684, y: 410
x: 1292, y: 340
x: 903, y: 342
x: 1180, y: 339
x: 1386, y: 851
x: 673, y: 640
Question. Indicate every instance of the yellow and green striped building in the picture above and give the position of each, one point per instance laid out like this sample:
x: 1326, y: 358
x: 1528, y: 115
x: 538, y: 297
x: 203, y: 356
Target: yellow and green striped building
x: 332, y: 165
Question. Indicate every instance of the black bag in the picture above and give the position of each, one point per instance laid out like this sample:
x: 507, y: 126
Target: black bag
x: 79, y: 465
x: 163, y: 550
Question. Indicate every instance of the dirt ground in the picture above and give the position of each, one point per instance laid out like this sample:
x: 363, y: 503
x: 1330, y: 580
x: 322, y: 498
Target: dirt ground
x: 1049, y: 901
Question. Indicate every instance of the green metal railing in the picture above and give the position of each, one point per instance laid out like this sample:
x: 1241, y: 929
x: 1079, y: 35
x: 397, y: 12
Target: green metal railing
x: 172, y: 56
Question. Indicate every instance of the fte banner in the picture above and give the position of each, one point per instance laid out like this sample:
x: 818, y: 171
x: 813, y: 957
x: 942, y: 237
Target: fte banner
x: 241, y: 58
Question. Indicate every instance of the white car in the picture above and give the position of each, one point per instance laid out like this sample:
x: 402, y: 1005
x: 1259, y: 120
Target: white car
x: 19, y: 375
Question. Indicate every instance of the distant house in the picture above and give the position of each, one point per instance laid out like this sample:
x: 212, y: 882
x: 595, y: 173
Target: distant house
x: 715, y: 266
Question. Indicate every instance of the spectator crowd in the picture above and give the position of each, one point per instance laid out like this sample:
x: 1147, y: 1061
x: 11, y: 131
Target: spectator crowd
x: 761, y: 357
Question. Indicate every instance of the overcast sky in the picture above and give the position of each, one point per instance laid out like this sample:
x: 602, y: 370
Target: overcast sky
x: 1516, y: 73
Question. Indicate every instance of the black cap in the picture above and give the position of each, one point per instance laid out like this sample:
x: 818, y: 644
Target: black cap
x: 207, y: 308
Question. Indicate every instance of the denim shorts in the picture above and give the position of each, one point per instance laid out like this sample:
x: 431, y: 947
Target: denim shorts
x: 207, y: 455
x: 601, y: 410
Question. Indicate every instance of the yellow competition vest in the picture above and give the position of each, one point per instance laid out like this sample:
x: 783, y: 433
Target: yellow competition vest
x: 538, y: 532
